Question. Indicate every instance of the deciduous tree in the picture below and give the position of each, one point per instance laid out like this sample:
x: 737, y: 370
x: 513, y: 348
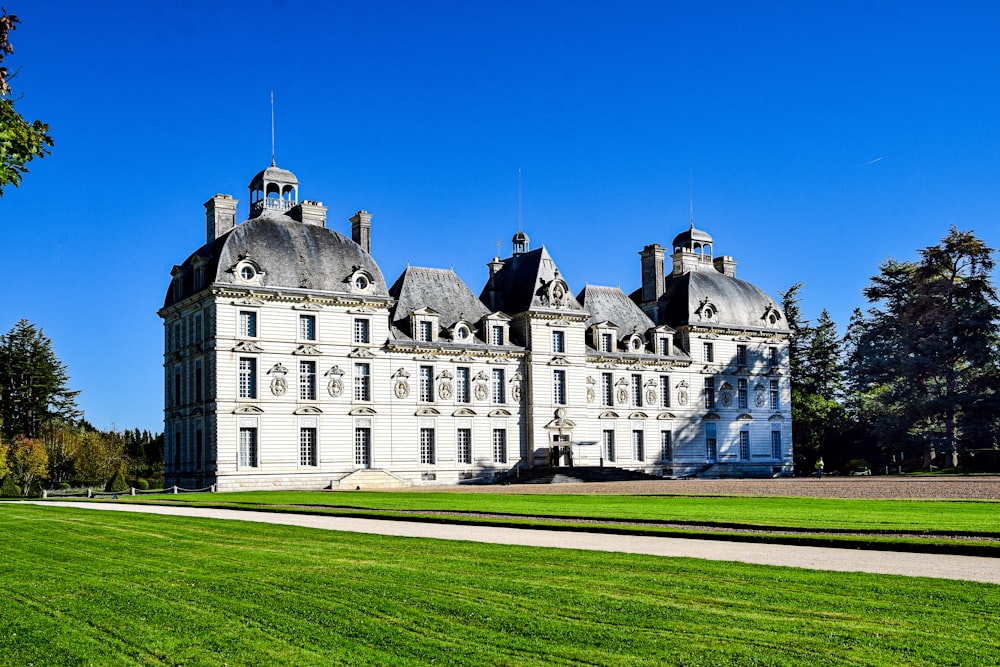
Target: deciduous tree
x: 28, y: 462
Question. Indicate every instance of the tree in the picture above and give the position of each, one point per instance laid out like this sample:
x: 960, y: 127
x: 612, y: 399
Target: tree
x: 33, y: 382
x: 926, y: 351
x: 20, y: 141
x: 28, y: 462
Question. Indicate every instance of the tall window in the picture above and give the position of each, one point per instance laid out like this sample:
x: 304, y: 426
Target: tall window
x: 496, y: 335
x: 709, y: 352
x: 307, y: 446
x: 638, y: 446
x: 424, y: 331
x: 666, y: 446
x: 362, y: 331
x: 637, y: 391
x: 776, y: 445
x: 772, y: 356
x: 665, y: 346
x: 744, y: 445
x: 307, y: 327
x: 558, y: 342
x: 462, y: 394
x: 199, y: 446
x: 362, y: 382
x: 307, y: 380
x: 363, y: 447
x: 741, y: 393
x: 711, y: 443
x: 607, y: 389
x: 741, y: 355
x: 710, y: 393
x: 177, y: 385
x: 499, y: 445
x: 608, y: 445
x: 607, y: 342
x: 665, y: 391
x: 198, y: 380
x: 427, y: 445
x: 559, y: 387
x: 426, y: 383
x: 248, y: 447
x: 775, y: 395
x: 464, y: 445
x: 248, y: 324
x: 499, y: 393
x: 248, y: 377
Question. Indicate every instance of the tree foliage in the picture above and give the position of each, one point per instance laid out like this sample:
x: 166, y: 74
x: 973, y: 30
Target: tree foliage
x: 33, y: 382
x: 28, y: 462
x: 21, y: 141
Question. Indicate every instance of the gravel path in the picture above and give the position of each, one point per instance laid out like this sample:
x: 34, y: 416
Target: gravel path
x: 968, y: 568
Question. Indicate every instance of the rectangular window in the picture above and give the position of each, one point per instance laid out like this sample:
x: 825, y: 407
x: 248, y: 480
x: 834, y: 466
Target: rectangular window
x: 462, y: 394
x: 709, y: 393
x: 198, y: 379
x: 463, y: 445
x: 307, y: 380
x: 744, y: 445
x: 248, y: 377
x: 424, y: 331
x: 363, y: 447
x: 608, y: 445
x: 741, y: 393
x: 607, y: 389
x: 307, y: 446
x: 775, y: 395
x: 666, y: 446
x: 362, y: 331
x: 711, y: 444
x: 177, y: 385
x: 607, y: 342
x: 638, y: 446
x: 665, y: 346
x: 307, y: 327
x: 198, y: 334
x: 248, y: 447
x: 741, y: 355
x: 559, y: 387
x: 427, y: 445
x: 499, y: 395
x: 664, y: 391
x: 558, y: 342
x: 496, y: 335
x: 776, y: 445
x: 362, y: 382
x: 499, y: 445
x: 772, y: 356
x: 199, y: 447
x: 426, y: 383
x: 637, y: 391
x: 709, y: 352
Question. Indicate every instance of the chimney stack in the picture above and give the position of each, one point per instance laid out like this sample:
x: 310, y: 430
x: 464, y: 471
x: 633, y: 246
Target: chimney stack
x: 220, y: 216
x: 361, y: 230
x: 309, y: 213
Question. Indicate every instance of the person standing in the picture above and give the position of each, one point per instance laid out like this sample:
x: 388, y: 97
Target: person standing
x: 819, y: 468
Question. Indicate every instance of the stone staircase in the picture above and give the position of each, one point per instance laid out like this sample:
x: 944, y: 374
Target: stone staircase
x: 367, y: 479
x: 576, y: 474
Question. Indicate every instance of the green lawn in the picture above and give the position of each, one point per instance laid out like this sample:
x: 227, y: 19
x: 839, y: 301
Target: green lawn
x: 94, y: 588
x: 929, y: 519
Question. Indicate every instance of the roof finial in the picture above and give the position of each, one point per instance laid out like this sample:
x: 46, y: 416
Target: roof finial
x: 691, y: 196
x: 519, y: 200
x: 272, y: 128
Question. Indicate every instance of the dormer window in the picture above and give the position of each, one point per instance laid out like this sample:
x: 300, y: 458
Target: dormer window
x: 360, y: 281
x: 496, y: 334
x: 607, y: 342
x: 462, y: 333
x: 635, y: 343
x: 247, y: 271
x: 424, y: 331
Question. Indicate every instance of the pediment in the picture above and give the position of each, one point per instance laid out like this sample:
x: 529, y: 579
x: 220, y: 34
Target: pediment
x: 361, y: 353
x: 362, y: 412
x: 638, y: 415
x: 666, y: 415
x: 745, y: 416
x: 247, y: 346
x: 308, y: 410
x: 558, y: 361
x: 711, y: 416
x: 463, y: 412
x: 499, y: 412
x: 248, y: 410
x: 248, y: 302
x: 307, y: 350
x: 427, y: 412
x: 608, y: 414
x: 776, y: 418
x: 307, y: 305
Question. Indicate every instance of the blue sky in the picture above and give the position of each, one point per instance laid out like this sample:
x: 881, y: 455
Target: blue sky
x: 817, y: 138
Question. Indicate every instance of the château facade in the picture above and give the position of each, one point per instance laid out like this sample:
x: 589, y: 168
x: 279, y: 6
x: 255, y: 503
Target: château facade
x: 290, y: 362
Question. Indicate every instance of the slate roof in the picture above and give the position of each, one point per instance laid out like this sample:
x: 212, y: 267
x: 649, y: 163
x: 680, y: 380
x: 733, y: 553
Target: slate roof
x: 522, y: 284
x: 438, y: 289
x: 291, y: 255
x: 737, y: 302
x: 613, y: 305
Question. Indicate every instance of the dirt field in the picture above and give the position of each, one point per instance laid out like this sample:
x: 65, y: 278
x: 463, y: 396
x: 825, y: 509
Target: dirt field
x: 950, y: 488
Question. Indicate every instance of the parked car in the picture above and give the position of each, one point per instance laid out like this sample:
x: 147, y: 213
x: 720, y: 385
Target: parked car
x: 861, y: 471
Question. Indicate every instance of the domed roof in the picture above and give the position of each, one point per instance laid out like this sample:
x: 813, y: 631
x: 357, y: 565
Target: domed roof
x: 520, y: 237
x: 273, y: 174
x: 697, y: 236
x: 710, y: 298
x: 277, y: 251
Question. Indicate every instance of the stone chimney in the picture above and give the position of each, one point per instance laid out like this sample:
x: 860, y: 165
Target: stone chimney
x: 725, y: 265
x: 651, y: 258
x: 493, y: 287
x: 310, y: 213
x: 220, y: 216
x: 361, y: 230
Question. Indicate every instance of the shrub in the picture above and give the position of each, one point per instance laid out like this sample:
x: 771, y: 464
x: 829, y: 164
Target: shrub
x: 64, y: 486
x: 117, y: 483
x: 142, y: 484
x: 9, y: 489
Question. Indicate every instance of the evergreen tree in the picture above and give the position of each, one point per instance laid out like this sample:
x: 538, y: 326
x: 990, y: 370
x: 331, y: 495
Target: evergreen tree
x: 33, y: 382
